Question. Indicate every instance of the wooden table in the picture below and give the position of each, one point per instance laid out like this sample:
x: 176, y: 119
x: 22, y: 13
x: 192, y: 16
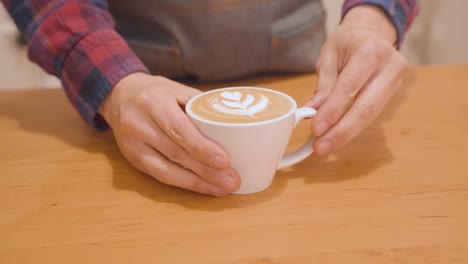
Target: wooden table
x: 397, y: 194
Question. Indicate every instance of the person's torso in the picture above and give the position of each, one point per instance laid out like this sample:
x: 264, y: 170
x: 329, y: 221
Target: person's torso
x: 215, y: 40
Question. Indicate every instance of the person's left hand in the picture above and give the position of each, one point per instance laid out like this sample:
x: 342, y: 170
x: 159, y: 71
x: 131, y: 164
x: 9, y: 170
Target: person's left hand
x: 358, y: 72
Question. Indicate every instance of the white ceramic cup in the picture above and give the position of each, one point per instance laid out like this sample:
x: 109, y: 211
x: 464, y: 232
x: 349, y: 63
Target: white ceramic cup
x: 257, y: 149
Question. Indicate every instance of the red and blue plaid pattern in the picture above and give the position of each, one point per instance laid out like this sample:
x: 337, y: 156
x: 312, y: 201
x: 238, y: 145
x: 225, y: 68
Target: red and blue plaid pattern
x: 75, y: 41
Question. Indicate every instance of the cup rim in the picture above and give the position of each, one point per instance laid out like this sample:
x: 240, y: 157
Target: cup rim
x: 190, y: 113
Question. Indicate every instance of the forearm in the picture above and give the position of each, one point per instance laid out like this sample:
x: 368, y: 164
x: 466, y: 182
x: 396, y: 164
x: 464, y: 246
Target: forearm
x: 400, y: 12
x: 75, y: 41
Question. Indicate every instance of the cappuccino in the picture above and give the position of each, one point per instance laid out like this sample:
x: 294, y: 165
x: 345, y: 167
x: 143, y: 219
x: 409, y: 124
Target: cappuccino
x: 241, y: 105
x: 254, y: 126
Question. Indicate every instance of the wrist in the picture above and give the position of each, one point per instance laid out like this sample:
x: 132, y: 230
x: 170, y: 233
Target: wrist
x: 108, y: 107
x: 105, y: 107
x: 373, y: 19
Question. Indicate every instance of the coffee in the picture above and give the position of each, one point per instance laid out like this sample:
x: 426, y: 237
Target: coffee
x: 241, y: 105
x: 231, y: 117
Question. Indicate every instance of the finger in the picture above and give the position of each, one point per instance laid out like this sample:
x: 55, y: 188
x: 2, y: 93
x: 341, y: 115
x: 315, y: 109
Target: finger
x: 365, y: 109
x: 359, y: 69
x: 327, y: 74
x: 153, y: 163
x: 175, y: 123
x: 227, y: 179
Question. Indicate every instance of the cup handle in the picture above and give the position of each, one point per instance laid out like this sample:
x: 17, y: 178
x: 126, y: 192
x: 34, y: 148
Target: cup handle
x: 305, y: 150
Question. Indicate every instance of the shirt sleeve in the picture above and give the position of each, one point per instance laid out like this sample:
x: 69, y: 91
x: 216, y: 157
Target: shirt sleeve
x: 75, y: 40
x: 401, y: 12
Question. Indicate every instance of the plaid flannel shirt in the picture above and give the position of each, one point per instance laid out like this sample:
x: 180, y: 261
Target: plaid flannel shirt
x: 75, y: 40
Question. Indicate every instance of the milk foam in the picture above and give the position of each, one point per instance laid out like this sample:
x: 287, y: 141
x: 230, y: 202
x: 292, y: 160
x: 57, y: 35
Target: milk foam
x: 231, y: 103
x: 241, y: 105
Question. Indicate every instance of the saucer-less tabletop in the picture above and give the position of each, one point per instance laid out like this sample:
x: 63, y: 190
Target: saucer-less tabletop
x: 396, y: 194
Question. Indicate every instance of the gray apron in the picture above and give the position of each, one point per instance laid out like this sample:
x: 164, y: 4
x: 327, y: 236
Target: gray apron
x: 214, y: 40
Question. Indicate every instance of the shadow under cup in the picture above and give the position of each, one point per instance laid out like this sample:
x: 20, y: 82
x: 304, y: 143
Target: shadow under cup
x: 256, y: 149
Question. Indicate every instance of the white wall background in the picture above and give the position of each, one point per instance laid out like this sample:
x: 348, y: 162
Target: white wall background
x: 15, y: 69
x: 439, y: 36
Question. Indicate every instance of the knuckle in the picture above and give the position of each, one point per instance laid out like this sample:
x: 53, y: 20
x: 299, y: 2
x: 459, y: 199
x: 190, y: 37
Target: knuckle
x: 197, y: 151
x: 334, y: 116
x: 401, y: 61
x: 176, y: 154
x: 318, y: 63
x: 129, y: 153
x: 331, y: 115
x: 321, y: 91
x: 177, y: 129
x: 384, y: 55
x: 369, y: 49
x: 126, y: 121
x: 209, y: 174
x: 368, y: 112
x: 350, y: 86
x: 144, y: 98
x: 376, y: 50
x: 158, y: 172
x: 127, y: 148
x: 326, y: 62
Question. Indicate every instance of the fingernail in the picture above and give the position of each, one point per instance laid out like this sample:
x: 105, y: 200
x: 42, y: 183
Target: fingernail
x: 228, y: 182
x: 321, y: 128
x: 323, y: 147
x: 218, y: 162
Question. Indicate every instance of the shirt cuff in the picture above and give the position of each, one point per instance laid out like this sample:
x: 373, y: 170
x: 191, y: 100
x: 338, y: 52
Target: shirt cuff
x: 92, y: 68
x: 394, y: 11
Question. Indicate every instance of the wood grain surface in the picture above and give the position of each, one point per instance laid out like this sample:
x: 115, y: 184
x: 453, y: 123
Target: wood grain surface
x: 396, y: 194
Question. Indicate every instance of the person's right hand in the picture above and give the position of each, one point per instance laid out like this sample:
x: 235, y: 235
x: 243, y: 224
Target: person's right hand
x: 156, y: 136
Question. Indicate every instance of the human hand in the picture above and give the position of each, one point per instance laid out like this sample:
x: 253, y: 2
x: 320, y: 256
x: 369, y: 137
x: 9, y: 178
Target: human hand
x: 358, y: 72
x: 154, y: 134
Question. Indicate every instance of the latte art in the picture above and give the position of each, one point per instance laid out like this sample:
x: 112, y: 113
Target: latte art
x: 241, y: 105
x: 232, y: 104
